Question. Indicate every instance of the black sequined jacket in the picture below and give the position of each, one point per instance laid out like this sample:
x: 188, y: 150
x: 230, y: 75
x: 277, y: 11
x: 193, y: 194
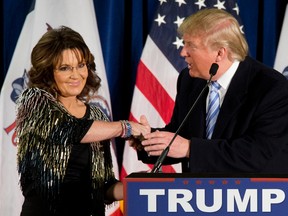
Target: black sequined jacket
x: 46, y: 133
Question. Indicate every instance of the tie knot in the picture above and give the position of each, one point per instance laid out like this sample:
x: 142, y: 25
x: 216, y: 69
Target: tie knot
x: 215, y: 85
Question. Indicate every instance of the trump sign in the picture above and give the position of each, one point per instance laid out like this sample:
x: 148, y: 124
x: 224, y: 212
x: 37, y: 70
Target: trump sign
x: 177, y: 194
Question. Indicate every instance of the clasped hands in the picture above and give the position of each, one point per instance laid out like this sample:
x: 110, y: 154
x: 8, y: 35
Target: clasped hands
x: 154, y: 143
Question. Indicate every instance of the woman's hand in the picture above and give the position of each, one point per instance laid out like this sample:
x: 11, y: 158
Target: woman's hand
x: 138, y: 134
x: 115, y: 192
x: 140, y: 129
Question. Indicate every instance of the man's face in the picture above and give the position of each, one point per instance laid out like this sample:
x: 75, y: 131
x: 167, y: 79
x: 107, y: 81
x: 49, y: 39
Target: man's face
x: 198, y: 56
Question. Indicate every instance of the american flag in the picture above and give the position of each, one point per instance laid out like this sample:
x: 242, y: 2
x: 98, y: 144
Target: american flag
x: 158, y: 69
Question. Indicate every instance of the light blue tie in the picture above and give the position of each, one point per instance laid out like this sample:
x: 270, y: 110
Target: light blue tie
x: 213, y: 108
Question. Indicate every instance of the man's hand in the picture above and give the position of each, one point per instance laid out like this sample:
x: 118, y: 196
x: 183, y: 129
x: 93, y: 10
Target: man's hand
x: 156, y: 142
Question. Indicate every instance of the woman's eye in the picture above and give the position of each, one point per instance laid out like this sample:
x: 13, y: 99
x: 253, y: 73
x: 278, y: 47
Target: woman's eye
x: 64, y: 68
x: 81, y: 65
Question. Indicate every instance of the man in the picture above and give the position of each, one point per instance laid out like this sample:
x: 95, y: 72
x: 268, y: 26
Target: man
x: 251, y: 130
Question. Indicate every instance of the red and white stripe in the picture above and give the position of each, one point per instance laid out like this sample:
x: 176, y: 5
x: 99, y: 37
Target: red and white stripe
x: 153, y: 96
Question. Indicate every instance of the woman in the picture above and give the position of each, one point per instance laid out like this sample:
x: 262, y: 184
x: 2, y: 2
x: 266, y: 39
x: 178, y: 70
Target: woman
x: 64, y: 158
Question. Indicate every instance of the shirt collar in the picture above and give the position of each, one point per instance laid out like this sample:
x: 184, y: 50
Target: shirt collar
x: 226, y: 78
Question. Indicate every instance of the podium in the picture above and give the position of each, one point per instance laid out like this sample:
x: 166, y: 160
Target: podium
x: 180, y: 194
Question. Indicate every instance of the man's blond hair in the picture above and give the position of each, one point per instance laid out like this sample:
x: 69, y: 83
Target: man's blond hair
x: 217, y: 28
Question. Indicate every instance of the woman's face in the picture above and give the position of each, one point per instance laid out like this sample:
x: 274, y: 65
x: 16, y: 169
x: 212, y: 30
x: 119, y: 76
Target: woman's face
x: 70, y: 75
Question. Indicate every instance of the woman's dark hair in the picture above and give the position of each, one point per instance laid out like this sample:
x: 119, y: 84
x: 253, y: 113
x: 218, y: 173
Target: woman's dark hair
x: 47, y: 53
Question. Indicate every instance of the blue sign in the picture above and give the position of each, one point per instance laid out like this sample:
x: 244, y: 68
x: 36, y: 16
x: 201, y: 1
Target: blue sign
x: 206, y: 196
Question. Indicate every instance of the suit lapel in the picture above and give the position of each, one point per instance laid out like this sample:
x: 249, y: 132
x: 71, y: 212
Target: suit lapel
x: 197, y: 120
x: 234, y: 98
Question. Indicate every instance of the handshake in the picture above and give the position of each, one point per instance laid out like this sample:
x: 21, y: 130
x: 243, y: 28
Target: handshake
x: 155, y: 142
x: 136, y: 142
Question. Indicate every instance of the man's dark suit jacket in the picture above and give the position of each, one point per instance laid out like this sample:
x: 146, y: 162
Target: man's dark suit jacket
x: 251, y: 132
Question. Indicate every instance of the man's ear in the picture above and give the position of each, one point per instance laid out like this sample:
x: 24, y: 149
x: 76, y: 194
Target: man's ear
x: 221, y: 54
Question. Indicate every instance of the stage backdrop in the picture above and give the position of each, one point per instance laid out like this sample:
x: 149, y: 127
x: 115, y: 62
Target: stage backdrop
x: 123, y: 27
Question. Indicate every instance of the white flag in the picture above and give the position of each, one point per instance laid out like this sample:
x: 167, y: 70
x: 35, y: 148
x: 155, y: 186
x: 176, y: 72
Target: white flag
x: 281, y: 60
x: 78, y: 15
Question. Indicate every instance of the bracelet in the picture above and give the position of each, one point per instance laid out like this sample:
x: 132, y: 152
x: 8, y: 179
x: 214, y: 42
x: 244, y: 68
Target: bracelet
x: 123, y: 128
x: 126, y: 129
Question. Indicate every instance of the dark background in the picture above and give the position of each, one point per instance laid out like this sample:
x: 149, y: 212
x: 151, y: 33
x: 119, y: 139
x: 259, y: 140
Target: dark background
x: 123, y: 26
